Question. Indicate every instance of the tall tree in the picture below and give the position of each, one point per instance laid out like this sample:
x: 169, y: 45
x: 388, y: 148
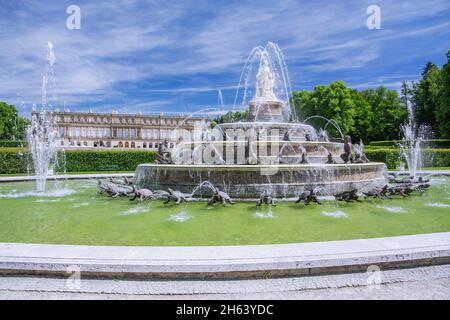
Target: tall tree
x: 426, y: 97
x: 333, y: 102
x: 388, y: 113
x: 443, y: 112
x: 12, y: 126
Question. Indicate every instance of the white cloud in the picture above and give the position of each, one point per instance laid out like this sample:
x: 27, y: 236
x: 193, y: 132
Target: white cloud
x: 135, y: 44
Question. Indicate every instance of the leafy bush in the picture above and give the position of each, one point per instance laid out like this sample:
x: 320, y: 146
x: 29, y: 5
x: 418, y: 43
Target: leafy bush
x: 17, y: 160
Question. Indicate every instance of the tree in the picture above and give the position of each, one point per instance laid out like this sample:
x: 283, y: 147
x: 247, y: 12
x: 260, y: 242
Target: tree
x: 363, y: 128
x: 426, y: 95
x: 332, y: 102
x: 405, y: 94
x: 230, y: 116
x: 388, y: 113
x: 12, y: 126
x: 443, y: 112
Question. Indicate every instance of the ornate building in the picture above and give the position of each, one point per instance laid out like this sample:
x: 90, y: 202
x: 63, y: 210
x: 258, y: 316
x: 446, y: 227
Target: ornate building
x: 85, y: 130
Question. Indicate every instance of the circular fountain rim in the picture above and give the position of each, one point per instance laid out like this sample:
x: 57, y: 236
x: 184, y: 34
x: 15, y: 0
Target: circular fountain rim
x: 255, y: 167
x: 266, y: 123
x: 292, y: 142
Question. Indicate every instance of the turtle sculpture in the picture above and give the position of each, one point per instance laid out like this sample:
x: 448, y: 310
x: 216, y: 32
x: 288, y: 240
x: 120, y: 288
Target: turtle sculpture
x: 391, y: 177
x: 307, y: 197
x: 220, y: 197
x: 422, y: 180
x: 175, y: 196
x: 266, y: 198
x: 128, y: 181
x: 402, y: 190
x: 378, y: 193
x: 141, y: 194
x: 348, y: 155
x: 117, y: 180
x: 348, y: 196
x: 422, y: 187
x: 330, y: 159
x: 114, y: 190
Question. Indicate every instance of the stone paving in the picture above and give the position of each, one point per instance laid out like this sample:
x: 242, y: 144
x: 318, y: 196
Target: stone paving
x: 417, y: 283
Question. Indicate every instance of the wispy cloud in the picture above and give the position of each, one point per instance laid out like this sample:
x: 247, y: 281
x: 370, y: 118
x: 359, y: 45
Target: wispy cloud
x: 155, y: 55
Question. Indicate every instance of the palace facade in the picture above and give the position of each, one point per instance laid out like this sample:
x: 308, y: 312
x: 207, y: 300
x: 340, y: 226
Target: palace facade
x: 86, y: 130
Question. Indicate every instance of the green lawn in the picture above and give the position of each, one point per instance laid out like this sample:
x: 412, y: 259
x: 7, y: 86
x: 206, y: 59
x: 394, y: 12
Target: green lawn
x: 84, y: 217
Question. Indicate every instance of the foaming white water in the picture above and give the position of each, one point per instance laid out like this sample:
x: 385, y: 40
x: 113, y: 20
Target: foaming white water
x: 438, y: 205
x: 393, y: 209
x: 135, y: 210
x: 82, y: 204
x: 49, y: 193
x: 48, y: 200
x: 326, y: 198
x: 180, y: 216
x: 335, y: 214
x: 264, y: 215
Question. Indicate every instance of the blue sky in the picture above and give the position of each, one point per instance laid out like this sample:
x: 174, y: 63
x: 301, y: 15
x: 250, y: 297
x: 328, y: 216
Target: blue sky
x: 173, y: 56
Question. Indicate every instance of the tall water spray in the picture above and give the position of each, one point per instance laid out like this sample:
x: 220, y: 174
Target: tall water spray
x: 270, y: 61
x: 42, y: 134
x: 412, y: 140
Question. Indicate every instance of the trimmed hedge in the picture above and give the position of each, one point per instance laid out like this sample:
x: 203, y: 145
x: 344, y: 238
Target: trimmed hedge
x: 11, y: 143
x: 433, y: 143
x: 391, y: 156
x: 16, y: 160
x: 122, y: 160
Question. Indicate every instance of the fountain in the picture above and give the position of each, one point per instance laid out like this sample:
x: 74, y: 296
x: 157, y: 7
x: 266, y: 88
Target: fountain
x: 43, y: 134
x: 413, y: 138
x: 271, y: 151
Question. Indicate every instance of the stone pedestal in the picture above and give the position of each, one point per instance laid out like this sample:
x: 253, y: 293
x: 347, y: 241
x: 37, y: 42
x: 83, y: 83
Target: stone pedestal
x: 266, y: 110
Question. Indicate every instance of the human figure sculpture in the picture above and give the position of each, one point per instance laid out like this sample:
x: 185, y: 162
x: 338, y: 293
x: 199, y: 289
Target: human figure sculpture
x: 330, y: 159
x: 304, y: 159
x: 163, y: 156
x: 348, y: 155
x: 265, y: 81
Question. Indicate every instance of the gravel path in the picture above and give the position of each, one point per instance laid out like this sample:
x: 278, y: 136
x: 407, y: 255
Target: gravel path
x: 418, y: 283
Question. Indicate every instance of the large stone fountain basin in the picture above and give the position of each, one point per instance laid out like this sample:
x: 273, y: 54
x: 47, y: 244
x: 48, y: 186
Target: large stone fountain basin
x: 297, y: 131
x: 249, y: 181
x: 287, y: 151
